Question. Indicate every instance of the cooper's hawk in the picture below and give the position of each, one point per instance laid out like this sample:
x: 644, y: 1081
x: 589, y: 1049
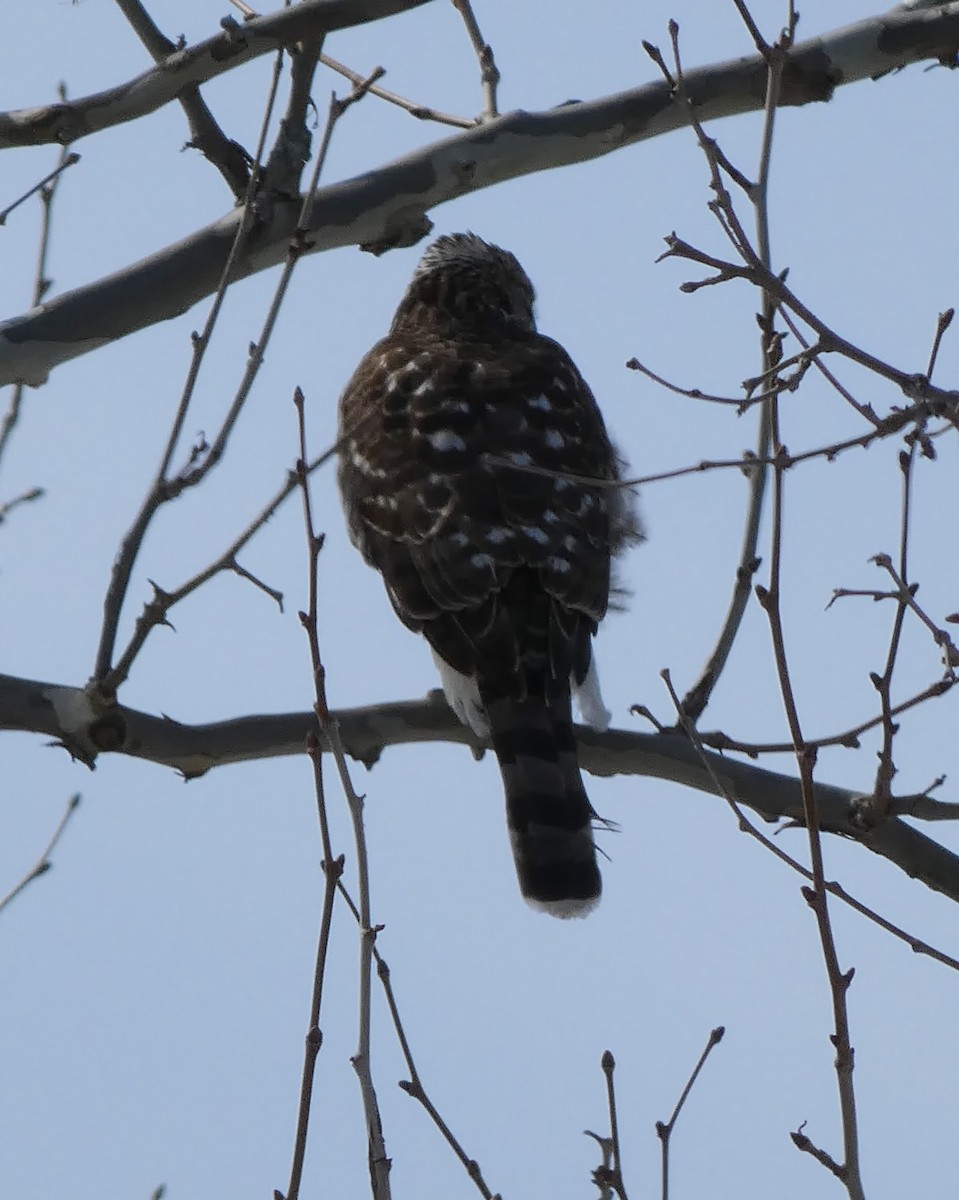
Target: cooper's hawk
x: 468, y: 443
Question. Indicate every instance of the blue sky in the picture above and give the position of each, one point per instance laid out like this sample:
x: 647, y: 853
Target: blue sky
x: 157, y: 981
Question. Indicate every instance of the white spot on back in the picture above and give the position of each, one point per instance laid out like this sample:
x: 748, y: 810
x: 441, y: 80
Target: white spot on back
x: 554, y: 439
x: 445, y: 440
x: 496, y: 535
x: 481, y: 561
x: 535, y: 534
x: 362, y: 463
x: 424, y: 388
x: 557, y: 564
x: 520, y: 458
x: 541, y: 402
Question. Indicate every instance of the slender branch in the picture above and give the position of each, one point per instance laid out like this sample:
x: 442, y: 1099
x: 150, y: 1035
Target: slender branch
x: 886, y: 768
x: 46, y: 184
x: 615, y: 1176
x: 422, y: 112
x: 106, y: 676
x: 156, y: 610
x: 228, y: 156
x: 664, y: 1129
x: 489, y: 72
x: 379, y: 1162
x: 43, y: 863
x: 696, y: 699
x: 849, y: 738
x: 905, y: 593
x: 47, y: 187
x: 414, y: 1085
x: 816, y: 896
x: 25, y: 497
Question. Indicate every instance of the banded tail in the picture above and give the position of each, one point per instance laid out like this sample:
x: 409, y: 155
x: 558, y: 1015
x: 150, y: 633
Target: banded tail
x: 547, y: 809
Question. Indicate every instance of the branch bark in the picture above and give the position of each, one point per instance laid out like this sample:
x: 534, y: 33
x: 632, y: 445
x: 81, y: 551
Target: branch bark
x: 387, y: 207
x: 68, y: 715
x: 236, y: 45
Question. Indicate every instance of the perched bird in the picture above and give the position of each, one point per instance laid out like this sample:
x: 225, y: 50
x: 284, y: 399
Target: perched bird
x: 475, y: 470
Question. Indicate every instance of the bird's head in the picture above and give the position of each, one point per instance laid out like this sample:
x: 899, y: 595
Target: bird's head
x: 463, y: 281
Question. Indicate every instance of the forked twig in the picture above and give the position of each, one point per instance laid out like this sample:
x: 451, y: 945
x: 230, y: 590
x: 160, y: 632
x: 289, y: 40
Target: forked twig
x: 227, y: 155
x: 107, y: 677
x: 664, y: 1129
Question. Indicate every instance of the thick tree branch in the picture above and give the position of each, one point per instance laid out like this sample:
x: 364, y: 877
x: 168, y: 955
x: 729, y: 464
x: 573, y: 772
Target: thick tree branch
x: 68, y: 715
x: 236, y: 45
x: 228, y: 156
x: 386, y: 207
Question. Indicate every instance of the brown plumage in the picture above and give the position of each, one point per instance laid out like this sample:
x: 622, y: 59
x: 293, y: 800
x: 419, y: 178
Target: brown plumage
x: 505, y: 571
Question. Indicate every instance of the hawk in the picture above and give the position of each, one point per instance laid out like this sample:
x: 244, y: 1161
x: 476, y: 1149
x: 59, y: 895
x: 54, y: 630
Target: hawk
x: 478, y: 478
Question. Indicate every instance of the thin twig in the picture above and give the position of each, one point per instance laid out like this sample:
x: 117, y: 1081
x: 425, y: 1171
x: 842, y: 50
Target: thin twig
x: 379, y: 1162
x: 43, y: 863
x: 332, y: 867
x: 615, y: 1179
x: 745, y: 826
x: 414, y: 1085
x: 664, y: 1129
x: 886, y: 768
x: 942, y: 324
x: 422, y: 112
x: 925, y: 398
x: 67, y: 159
x: 780, y: 383
x: 489, y: 72
x: 156, y: 610
x: 47, y: 187
x: 849, y: 738
x: 163, y: 489
x: 697, y: 697
x: 906, y: 593
x: 816, y: 896
x: 7, y: 507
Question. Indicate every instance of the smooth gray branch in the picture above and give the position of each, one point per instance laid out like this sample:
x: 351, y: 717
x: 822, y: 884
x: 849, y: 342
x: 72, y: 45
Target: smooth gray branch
x: 235, y: 45
x: 387, y: 207
x: 68, y: 715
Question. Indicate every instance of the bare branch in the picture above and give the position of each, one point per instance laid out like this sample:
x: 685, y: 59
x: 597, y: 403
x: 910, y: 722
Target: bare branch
x: 47, y: 187
x: 664, y: 1129
x: 68, y: 715
x: 379, y: 1162
x: 386, y: 208
x: 235, y: 45
x: 43, y: 863
x: 228, y: 156
x: 489, y: 72
x: 421, y: 111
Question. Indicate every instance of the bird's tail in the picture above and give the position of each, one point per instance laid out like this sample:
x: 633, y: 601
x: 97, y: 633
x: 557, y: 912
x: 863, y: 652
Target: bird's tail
x: 547, y: 809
